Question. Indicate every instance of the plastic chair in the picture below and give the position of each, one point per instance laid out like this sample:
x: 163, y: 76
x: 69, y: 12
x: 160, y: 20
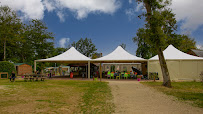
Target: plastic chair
x: 122, y: 75
x: 108, y: 76
x: 126, y: 75
x: 112, y: 75
x: 119, y: 76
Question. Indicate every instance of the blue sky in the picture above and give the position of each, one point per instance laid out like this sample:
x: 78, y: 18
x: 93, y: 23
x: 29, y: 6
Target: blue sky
x: 107, y: 22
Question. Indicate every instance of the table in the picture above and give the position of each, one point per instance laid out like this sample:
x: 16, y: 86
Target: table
x: 34, y: 77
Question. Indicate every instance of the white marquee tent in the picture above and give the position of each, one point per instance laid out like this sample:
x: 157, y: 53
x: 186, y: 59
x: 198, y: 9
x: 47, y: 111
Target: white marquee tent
x: 70, y: 56
x: 119, y: 55
x: 181, y: 66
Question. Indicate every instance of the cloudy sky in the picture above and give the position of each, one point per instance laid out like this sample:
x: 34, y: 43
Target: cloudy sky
x: 108, y: 23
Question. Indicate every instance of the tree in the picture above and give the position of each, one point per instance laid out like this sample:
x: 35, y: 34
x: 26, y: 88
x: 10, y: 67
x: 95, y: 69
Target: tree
x: 58, y: 51
x: 10, y: 26
x: 182, y: 42
x: 85, y: 46
x: 160, y: 27
x: 96, y: 55
x: 123, y: 45
x: 144, y: 50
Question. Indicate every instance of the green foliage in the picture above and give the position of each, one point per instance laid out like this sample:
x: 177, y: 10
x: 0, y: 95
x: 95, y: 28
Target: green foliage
x: 23, y: 42
x: 144, y: 50
x: 6, y: 66
x: 159, y: 31
x: 96, y: 55
x: 10, y: 28
x: 85, y: 46
x: 58, y: 51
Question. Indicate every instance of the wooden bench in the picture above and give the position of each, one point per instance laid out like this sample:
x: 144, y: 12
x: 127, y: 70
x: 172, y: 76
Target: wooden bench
x: 34, y: 77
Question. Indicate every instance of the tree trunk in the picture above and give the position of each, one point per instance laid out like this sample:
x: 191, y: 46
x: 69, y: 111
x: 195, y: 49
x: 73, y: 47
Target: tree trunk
x: 164, y: 69
x: 5, y: 50
x: 162, y: 61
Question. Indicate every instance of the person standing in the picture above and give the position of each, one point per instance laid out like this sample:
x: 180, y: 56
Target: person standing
x: 12, y: 77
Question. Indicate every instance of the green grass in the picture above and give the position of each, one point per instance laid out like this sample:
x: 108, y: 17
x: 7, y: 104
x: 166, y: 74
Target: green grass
x: 55, y: 96
x: 191, y: 92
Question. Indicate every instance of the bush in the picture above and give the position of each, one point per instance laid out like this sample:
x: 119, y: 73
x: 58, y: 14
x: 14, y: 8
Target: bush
x: 6, y: 66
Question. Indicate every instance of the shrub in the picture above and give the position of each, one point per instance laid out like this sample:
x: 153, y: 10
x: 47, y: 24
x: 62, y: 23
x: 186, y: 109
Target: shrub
x: 6, y: 66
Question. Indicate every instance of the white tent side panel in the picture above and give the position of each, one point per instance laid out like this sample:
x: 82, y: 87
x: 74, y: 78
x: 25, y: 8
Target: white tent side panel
x: 179, y: 69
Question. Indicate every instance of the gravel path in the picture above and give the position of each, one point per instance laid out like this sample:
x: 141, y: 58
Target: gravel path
x: 131, y: 97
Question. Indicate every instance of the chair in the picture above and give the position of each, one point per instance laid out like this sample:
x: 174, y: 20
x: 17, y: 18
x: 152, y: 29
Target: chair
x: 108, y: 76
x: 122, y: 75
x: 126, y: 75
x: 112, y: 75
x: 119, y: 76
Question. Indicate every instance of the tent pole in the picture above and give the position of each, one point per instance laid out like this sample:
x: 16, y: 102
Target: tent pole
x: 148, y: 69
x: 34, y: 66
x: 88, y: 69
x: 100, y: 71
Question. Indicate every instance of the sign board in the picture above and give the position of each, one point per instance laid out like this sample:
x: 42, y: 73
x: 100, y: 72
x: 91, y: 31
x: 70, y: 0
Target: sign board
x: 3, y: 75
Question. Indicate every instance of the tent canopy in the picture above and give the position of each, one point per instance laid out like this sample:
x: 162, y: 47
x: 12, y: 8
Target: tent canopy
x: 70, y: 56
x: 119, y: 55
x: 171, y: 53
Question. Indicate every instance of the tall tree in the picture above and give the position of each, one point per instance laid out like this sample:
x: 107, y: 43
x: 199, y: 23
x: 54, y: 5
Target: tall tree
x: 85, y: 46
x: 10, y: 26
x: 160, y: 27
x: 182, y: 42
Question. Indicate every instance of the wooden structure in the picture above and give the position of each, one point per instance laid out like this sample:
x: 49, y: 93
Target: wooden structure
x: 23, y: 68
x: 195, y: 52
x: 34, y: 77
x: 3, y: 75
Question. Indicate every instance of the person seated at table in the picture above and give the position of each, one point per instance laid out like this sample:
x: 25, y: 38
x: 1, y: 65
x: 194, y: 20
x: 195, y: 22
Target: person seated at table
x: 13, y: 76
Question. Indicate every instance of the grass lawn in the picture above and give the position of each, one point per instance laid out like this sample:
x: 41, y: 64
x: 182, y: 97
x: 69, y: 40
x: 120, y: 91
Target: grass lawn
x: 191, y: 92
x: 55, y: 96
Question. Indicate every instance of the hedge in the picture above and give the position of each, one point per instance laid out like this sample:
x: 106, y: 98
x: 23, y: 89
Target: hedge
x: 6, y: 66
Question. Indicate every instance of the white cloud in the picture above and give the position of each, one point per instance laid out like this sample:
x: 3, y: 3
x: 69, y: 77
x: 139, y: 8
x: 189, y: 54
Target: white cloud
x: 63, y: 42
x: 30, y: 9
x: 199, y: 46
x: 49, y: 5
x: 83, y: 7
x: 130, y: 1
x: 34, y: 9
x: 132, y: 12
x: 190, y: 12
x: 61, y: 16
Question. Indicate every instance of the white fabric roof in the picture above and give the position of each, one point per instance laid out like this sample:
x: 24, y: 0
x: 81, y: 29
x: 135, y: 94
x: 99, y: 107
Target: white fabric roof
x: 70, y: 55
x: 171, y: 53
x: 119, y: 54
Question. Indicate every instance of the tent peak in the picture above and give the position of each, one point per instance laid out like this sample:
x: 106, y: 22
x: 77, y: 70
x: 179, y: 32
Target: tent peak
x: 172, y: 53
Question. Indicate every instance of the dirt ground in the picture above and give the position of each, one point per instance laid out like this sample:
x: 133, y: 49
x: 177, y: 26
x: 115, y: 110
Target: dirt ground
x: 131, y: 97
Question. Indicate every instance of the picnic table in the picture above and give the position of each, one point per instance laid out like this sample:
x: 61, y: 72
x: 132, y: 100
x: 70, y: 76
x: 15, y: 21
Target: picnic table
x: 34, y: 77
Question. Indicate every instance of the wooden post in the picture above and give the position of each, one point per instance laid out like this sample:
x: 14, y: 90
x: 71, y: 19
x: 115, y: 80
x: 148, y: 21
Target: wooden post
x: 100, y: 71
x: 88, y: 69
x: 34, y: 66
